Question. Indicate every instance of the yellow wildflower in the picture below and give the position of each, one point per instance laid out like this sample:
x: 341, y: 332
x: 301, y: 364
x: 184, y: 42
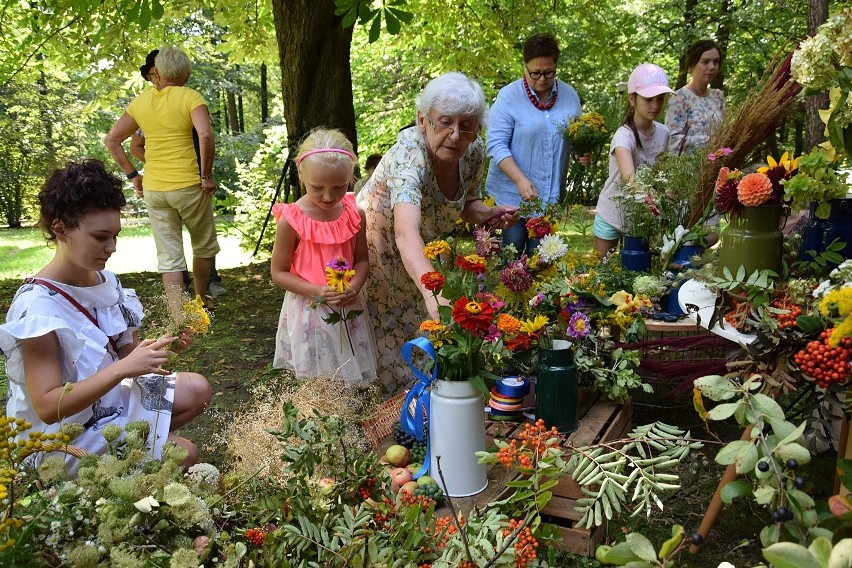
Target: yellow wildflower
x: 195, y: 318
x: 339, y: 279
x: 534, y: 325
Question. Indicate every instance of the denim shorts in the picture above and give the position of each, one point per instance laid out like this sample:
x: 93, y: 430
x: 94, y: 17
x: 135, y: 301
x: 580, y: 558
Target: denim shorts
x: 604, y: 230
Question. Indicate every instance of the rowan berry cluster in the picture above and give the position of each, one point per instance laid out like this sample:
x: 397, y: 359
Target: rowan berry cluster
x: 255, y: 536
x: 366, y: 490
x: 525, y: 545
x: 825, y: 364
x: 535, y: 440
x: 788, y: 319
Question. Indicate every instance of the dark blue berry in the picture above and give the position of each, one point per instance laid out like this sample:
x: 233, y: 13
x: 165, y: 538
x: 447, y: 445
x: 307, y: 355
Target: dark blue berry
x: 697, y: 539
x: 763, y: 466
x: 799, y: 482
x: 792, y: 464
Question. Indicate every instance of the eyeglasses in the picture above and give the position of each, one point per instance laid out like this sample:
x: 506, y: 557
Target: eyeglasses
x: 447, y: 130
x: 536, y: 75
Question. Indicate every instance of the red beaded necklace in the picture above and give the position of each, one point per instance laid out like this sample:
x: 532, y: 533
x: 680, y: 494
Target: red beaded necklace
x: 546, y: 106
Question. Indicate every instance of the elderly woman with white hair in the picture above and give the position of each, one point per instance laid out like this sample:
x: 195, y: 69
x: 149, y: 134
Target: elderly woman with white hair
x: 427, y: 181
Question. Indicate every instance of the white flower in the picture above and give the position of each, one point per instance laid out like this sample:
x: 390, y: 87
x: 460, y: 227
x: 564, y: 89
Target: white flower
x: 823, y: 287
x: 203, y: 473
x: 670, y: 242
x: 552, y: 248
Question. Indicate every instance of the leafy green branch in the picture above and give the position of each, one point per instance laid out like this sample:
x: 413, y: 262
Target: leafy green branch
x: 617, y: 467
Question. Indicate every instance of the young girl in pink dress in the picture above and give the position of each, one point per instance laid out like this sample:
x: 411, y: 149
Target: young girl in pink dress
x: 321, y: 238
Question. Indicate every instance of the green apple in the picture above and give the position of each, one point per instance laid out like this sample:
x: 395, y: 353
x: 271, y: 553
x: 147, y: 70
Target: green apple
x: 425, y: 480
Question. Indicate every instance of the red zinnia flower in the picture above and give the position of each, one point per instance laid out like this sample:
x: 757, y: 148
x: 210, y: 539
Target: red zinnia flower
x: 471, y: 263
x: 472, y: 315
x: 433, y: 281
x: 521, y: 342
x: 538, y: 227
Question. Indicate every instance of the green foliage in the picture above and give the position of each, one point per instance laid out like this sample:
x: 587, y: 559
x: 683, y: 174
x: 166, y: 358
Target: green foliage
x: 820, y: 262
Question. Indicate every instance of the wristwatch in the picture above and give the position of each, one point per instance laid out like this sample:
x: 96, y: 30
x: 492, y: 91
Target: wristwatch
x: 207, y: 177
x: 132, y: 174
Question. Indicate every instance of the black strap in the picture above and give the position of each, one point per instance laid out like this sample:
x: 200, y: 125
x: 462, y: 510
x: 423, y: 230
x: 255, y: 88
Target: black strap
x: 74, y: 303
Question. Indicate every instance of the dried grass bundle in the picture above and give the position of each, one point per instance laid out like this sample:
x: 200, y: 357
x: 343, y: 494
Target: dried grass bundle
x: 744, y: 129
x: 251, y: 447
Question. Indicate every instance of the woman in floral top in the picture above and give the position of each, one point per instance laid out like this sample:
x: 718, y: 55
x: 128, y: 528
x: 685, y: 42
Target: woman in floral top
x: 427, y: 181
x: 696, y: 110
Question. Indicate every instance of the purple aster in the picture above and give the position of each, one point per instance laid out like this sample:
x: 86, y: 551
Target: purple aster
x: 579, y: 326
x: 515, y: 276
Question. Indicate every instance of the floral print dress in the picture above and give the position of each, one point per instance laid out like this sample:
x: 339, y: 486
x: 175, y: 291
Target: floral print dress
x: 691, y: 118
x: 396, y: 305
x: 84, y: 350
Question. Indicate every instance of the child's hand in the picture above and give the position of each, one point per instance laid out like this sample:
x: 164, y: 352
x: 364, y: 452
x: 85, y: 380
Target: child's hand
x: 183, y: 341
x: 148, y: 356
x: 345, y: 299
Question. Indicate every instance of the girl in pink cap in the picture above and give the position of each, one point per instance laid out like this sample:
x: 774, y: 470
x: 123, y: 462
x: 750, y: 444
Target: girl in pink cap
x: 320, y: 259
x: 638, y: 141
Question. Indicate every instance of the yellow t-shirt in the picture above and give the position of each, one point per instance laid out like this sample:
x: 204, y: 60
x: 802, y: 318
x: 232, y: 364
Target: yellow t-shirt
x: 170, y: 161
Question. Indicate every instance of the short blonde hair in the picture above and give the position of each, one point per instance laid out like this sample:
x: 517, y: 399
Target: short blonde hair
x: 331, y: 139
x: 172, y: 64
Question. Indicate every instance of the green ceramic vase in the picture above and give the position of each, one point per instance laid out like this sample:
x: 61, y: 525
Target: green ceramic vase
x: 753, y: 240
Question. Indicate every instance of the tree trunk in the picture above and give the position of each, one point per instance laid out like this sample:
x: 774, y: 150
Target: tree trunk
x: 264, y: 95
x: 46, y: 119
x: 241, y: 113
x: 233, y: 119
x: 723, y: 36
x: 313, y: 52
x: 817, y: 15
x: 688, y: 27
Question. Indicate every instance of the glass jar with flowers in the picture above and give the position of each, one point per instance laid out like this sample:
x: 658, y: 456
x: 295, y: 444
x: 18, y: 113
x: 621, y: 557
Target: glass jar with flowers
x: 753, y: 203
x: 641, y: 218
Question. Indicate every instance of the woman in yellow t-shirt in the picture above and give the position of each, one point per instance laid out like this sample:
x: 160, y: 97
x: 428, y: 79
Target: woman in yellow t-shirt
x: 174, y: 192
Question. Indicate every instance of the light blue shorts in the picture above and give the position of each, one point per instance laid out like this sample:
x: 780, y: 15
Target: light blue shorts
x: 604, y: 230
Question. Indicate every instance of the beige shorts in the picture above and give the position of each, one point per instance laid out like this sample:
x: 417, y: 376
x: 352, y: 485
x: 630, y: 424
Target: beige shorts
x: 169, y: 211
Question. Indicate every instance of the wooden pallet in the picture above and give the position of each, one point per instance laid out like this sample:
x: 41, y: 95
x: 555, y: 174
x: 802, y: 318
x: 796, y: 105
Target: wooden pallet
x: 600, y: 421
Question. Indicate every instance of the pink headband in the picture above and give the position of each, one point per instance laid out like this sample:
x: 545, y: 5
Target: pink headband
x: 323, y: 150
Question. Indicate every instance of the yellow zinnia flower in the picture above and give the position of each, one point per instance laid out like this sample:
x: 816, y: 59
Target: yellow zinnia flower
x: 436, y: 248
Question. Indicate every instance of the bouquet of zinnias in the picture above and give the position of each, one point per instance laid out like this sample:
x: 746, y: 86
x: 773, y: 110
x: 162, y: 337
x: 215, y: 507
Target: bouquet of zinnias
x: 474, y: 323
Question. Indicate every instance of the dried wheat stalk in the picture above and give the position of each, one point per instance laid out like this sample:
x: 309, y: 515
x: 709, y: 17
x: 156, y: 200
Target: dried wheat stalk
x: 744, y: 128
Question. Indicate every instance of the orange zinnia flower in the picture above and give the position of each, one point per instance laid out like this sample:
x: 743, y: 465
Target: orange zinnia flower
x: 471, y: 263
x: 508, y: 324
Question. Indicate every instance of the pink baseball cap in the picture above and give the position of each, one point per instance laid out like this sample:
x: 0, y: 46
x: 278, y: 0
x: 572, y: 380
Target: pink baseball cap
x: 648, y: 80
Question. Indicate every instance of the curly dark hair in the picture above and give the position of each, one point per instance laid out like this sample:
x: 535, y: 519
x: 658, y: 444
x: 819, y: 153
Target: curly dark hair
x: 697, y: 49
x: 71, y: 192
x: 541, y: 45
